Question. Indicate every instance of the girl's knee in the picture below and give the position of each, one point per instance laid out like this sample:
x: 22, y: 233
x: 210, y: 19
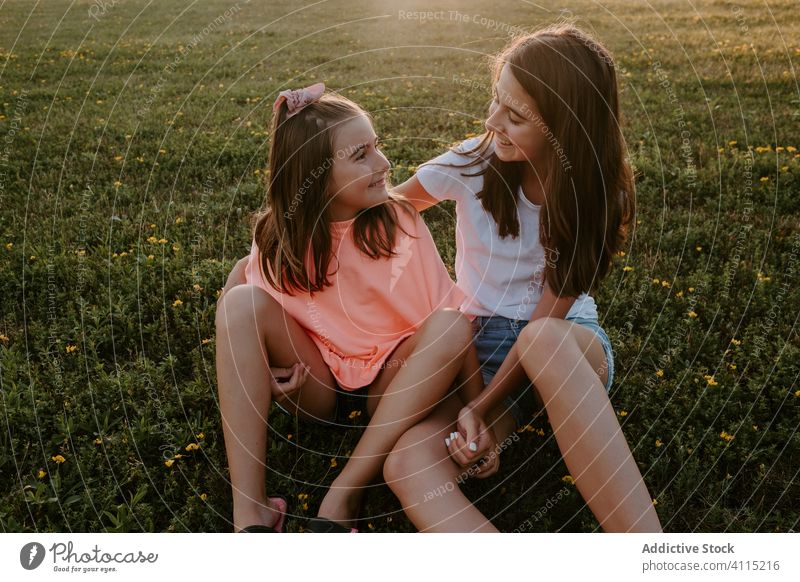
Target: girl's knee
x: 542, y: 338
x: 450, y: 326
x: 243, y: 304
x: 404, y: 459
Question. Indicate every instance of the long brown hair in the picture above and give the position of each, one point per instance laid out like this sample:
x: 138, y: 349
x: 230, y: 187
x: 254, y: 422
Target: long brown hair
x: 589, y: 190
x: 292, y: 230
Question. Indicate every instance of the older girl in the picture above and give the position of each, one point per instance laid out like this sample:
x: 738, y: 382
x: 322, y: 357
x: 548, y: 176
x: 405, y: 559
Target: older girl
x: 543, y: 199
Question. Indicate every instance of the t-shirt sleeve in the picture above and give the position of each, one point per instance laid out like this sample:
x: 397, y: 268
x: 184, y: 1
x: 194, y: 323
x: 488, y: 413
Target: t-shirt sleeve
x: 442, y: 176
x: 433, y: 277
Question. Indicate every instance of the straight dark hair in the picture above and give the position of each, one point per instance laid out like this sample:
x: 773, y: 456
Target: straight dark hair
x: 589, y: 189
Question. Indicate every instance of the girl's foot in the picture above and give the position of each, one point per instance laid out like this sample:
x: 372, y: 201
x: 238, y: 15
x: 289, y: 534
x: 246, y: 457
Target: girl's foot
x: 272, y: 515
x: 341, y: 505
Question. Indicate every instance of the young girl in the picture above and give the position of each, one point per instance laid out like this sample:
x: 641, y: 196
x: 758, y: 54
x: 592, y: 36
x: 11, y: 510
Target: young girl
x: 543, y: 200
x: 344, y: 291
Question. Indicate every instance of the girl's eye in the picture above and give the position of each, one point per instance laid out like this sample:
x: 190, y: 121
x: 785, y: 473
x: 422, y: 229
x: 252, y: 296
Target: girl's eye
x: 362, y: 155
x: 513, y: 122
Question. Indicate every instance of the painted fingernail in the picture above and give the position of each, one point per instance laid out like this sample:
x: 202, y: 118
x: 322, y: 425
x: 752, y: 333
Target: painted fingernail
x: 473, y: 447
x: 447, y: 442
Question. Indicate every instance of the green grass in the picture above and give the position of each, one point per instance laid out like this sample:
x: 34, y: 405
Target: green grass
x: 138, y: 126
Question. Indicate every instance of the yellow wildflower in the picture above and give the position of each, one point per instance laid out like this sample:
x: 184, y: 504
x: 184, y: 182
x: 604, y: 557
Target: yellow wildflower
x: 764, y: 178
x: 98, y: 441
x: 692, y: 314
x: 733, y: 142
x: 660, y: 373
x: 9, y: 246
x: 200, y: 435
x: 177, y: 303
x: 568, y: 479
x: 41, y: 474
x: 192, y: 447
x: 679, y: 294
x: 58, y: 459
x: 726, y: 437
x: 658, y: 443
x: 665, y: 284
x: 710, y: 379
x: 627, y: 268
x: 691, y: 289
x: 203, y: 496
x: 71, y: 348
x: 354, y: 414
x: 179, y: 220
x: 736, y: 342
x: 3, y: 338
x: 623, y: 413
x: 152, y: 239
x: 169, y: 462
x: 333, y: 463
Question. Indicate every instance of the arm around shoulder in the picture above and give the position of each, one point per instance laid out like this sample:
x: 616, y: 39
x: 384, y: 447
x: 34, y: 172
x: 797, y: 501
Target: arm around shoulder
x: 413, y: 191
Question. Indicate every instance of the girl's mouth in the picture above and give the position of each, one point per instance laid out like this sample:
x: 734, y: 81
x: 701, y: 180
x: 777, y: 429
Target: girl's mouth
x: 502, y: 141
x: 378, y: 183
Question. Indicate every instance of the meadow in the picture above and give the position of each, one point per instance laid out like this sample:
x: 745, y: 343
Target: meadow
x: 133, y: 143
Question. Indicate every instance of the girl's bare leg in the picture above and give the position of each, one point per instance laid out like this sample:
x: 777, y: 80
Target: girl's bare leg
x: 566, y: 362
x: 254, y: 332
x: 427, y: 481
x: 436, y: 353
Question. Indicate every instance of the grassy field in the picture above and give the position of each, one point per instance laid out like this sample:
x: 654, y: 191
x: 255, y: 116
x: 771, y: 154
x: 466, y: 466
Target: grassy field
x: 133, y: 140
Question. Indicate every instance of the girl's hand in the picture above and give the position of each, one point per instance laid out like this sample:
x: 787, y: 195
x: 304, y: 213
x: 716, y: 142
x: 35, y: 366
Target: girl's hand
x: 287, y: 381
x: 473, y: 444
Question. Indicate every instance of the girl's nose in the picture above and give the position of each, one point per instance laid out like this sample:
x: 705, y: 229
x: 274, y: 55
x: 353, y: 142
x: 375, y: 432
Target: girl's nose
x: 491, y: 122
x: 383, y: 163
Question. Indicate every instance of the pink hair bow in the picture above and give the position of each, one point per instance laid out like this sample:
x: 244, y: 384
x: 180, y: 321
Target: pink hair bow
x: 296, y: 99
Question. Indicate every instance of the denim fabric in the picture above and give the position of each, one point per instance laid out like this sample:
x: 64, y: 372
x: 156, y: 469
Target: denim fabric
x: 494, y: 337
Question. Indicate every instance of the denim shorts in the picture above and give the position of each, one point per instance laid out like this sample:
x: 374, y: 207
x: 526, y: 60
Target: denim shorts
x: 494, y: 336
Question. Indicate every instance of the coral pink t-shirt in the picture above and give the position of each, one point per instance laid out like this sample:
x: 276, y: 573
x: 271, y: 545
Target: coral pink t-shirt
x: 372, y: 304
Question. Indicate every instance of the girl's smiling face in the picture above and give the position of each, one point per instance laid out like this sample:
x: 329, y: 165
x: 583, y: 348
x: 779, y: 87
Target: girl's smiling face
x: 358, y: 174
x: 519, y: 130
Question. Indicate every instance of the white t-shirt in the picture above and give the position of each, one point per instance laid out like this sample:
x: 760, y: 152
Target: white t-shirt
x: 499, y: 276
